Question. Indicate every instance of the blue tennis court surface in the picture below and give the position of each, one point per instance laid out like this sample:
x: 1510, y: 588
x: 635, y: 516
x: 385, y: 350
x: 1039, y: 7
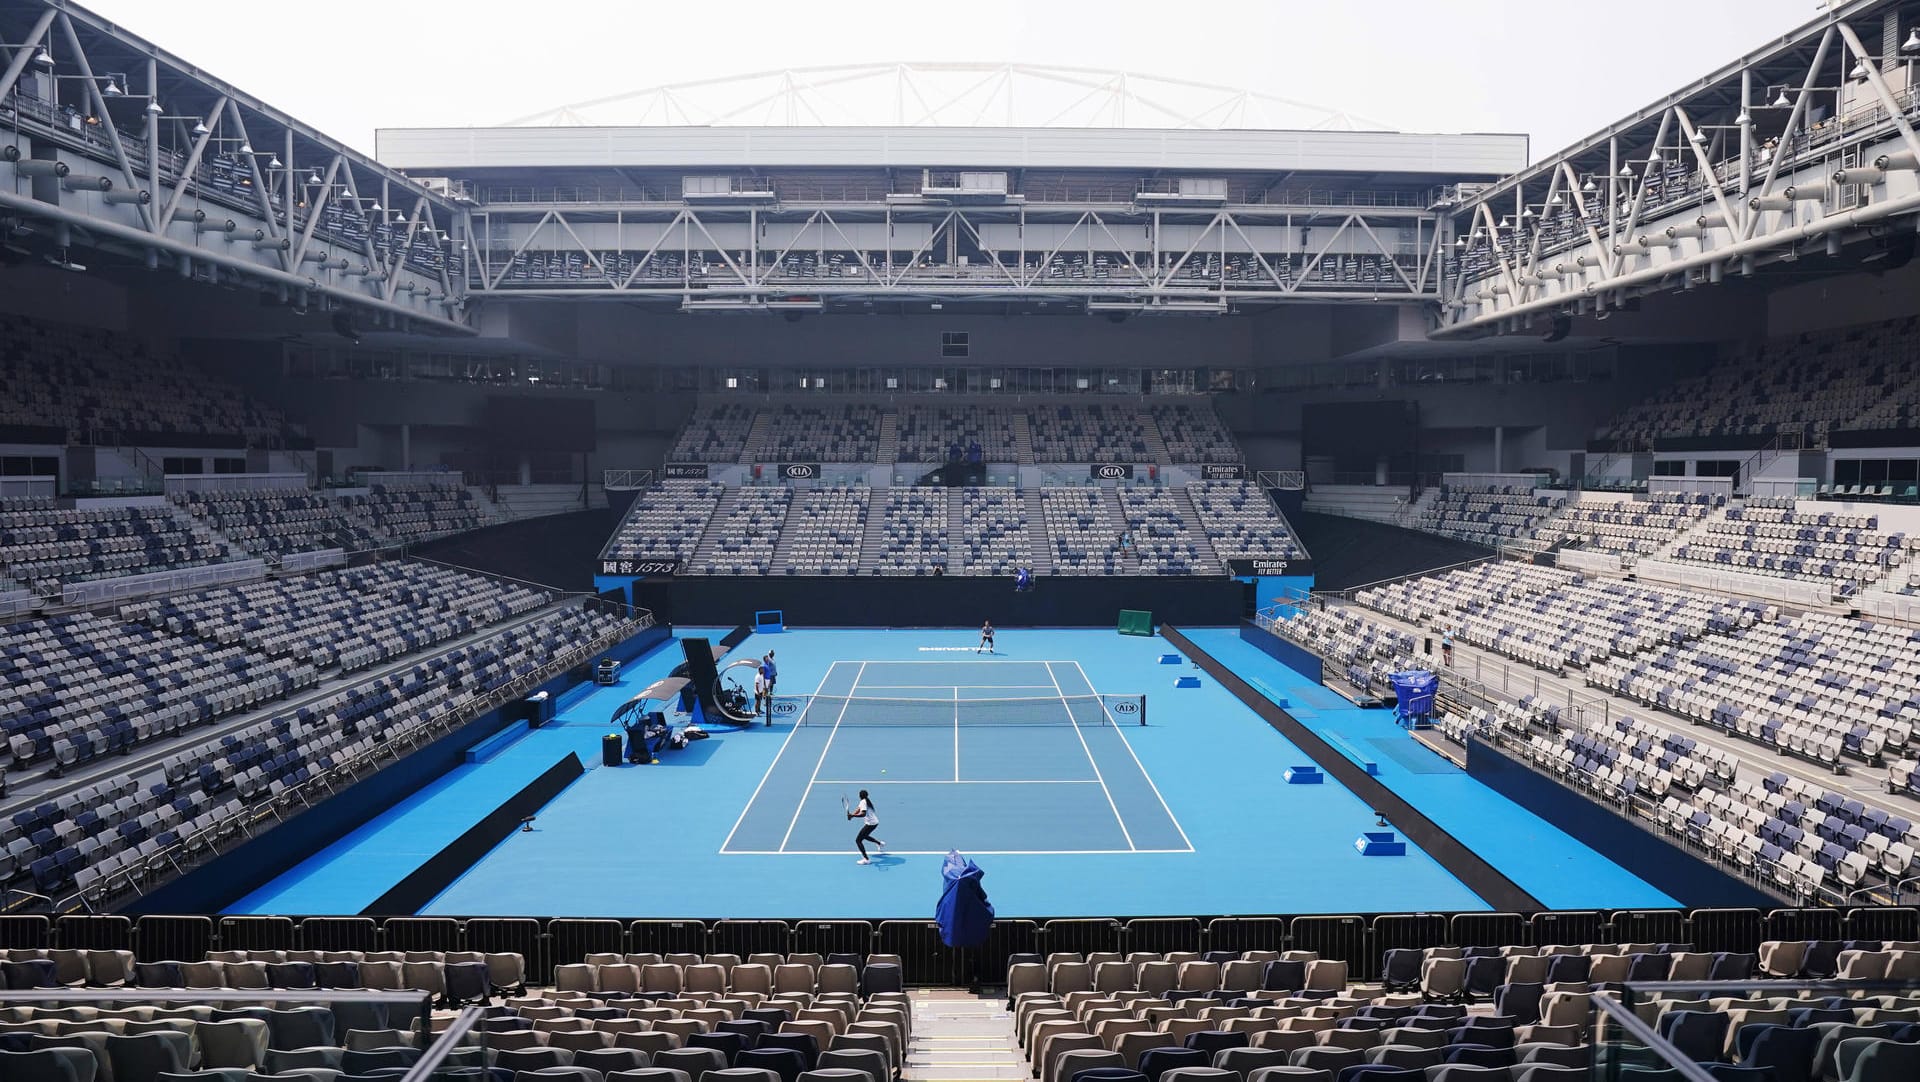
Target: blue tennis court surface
x: 1072, y: 808
x: 996, y: 757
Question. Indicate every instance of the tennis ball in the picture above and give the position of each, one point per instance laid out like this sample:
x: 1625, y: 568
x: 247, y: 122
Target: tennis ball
x: 883, y: 772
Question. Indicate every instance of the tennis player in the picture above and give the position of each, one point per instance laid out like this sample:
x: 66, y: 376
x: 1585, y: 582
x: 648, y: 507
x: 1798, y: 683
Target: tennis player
x: 986, y: 637
x: 863, y: 811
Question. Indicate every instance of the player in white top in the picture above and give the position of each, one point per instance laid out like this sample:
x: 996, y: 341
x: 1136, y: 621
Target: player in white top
x: 863, y: 811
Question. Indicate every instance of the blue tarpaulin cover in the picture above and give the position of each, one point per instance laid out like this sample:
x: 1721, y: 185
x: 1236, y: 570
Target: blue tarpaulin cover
x: 1415, y: 689
x: 964, y: 914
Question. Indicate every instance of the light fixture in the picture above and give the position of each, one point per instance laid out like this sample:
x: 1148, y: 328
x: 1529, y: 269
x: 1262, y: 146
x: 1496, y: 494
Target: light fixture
x: 1912, y: 44
x: 1506, y: 222
x: 376, y: 208
x: 314, y: 179
x: 246, y: 148
x: 1589, y: 186
x: 1781, y: 102
x: 1745, y: 118
x: 1653, y: 156
x: 1459, y: 242
x: 200, y: 128
x: 112, y: 89
x: 1626, y: 172
x: 43, y: 58
x: 1859, y: 71
x: 274, y: 162
x: 1700, y: 137
x: 1556, y: 201
x: 153, y: 108
x: 1527, y: 215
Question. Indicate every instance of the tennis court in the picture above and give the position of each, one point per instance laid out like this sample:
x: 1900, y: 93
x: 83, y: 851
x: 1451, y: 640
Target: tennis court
x: 994, y: 757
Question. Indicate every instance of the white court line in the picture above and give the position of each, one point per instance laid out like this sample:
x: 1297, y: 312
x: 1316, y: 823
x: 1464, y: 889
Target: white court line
x: 776, y: 762
x: 1125, y: 743
x: 943, y: 852
x: 1064, y: 705
x: 801, y: 804
x: 943, y: 687
x: 956, y: 732
x: 966, y: 781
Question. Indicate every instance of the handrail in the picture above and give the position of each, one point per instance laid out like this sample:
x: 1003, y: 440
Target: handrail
x: 1681, y: 1063
x: 444, y: 1042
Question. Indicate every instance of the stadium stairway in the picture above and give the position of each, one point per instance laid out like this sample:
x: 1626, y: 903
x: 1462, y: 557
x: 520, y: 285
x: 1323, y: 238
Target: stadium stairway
x: 710, y: 538
x: 1117, y: 518
x: 756, y: 437
x: 959, y: 1037
x: 1023, y: 443
x: 1039, y: 541
x: 874, y: 539
x: 888, y: 450
x: 1156, y: 443
x: 956, y: 532
x: 1183, y: 500
x: 789, y: 534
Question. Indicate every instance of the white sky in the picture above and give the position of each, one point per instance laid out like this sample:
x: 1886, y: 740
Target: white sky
x: 1554, y: 69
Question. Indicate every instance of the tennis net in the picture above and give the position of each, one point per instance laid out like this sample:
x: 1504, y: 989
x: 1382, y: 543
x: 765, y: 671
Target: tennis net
x: 862, y: 711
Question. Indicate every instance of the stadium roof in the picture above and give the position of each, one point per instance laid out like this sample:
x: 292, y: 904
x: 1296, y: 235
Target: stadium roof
x: 1465, y: 156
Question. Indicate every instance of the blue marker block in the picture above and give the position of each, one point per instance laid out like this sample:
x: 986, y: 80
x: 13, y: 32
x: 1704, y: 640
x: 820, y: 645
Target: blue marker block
x: 1187, y: 682
x: 1379, y: 843
x: 1304, y: 775
x: 1169, y: 659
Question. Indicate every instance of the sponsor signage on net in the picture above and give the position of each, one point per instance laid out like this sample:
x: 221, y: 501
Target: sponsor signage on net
x: 639, y: 567
x: 801, y: 471
x: 1223, y: 471
x: 1113, y: 471
x: 684, y: 471
x: 1124, y: 706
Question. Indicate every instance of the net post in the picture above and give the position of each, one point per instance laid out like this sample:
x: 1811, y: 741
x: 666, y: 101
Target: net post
x: 1143, y: 708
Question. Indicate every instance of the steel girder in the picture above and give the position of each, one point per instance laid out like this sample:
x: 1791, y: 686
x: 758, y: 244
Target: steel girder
x: 1806, y: 140
x: 1109, y: 255
x: 198, y: 175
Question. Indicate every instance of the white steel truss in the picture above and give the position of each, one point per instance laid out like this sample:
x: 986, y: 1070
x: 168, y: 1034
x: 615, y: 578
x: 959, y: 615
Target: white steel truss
x: 1812, y: 140
x: 910, y: 94
x: 1101, y: 254
x: 159, y: 162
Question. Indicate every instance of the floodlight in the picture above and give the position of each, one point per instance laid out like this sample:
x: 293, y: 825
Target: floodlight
x: 274, y: 163
x: 153, y: 108
x: 1589, y: 187
x: 200, y: 128
x: 1781, y: 102
x: 314, y: 179
x: 112, y: 89
x: 1745, y: 118
x: 246, y: 148
x: 1912, y: 44
x: 1859, y: 71
x: 43, y: 58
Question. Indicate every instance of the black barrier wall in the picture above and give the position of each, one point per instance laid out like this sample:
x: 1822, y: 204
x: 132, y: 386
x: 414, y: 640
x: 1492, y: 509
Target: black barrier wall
x: 1288, y: 653
x: 940, y: 601
x: 1666, y: 867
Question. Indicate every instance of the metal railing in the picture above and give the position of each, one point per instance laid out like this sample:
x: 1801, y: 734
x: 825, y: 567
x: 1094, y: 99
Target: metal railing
x: 625, y: 480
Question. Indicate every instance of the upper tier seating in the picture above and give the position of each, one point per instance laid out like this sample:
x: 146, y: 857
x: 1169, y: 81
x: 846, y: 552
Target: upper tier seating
x: 102, y: 385
x: 715, y: 433
x: 276, y: 522
x: 742, y: 536
x: 929, y: 433
x: 1242, y: 523
x: 1095, y: 433
x: 415, y: 513
x: 1487, y: 515
x: 354, y: 618
x: 824, y: 531
x: 43, y: 545
x: 996, y: 540
x: 1771, y: 537
x: 76, y: 687
x: 1629, y: 526
x: 1194, y: 433
x: 1808, y: 385
x: 1165, y: 541
x: 1081, y: 531
x: 665, y: 521
x: 914, y: 532
x: 82, y: 839
x: 838, y: 433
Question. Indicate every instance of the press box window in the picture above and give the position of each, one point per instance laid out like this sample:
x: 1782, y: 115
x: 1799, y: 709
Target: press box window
x: 953, y: 343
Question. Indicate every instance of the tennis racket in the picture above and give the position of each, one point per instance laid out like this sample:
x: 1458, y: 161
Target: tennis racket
x: 846, y: 807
